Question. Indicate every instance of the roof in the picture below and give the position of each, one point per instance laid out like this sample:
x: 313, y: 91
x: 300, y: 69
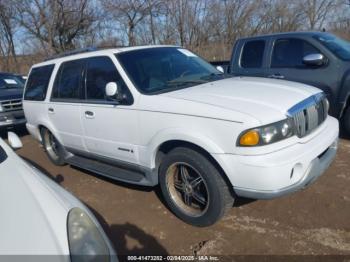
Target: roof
x: 85, y: 53
x: 300, y: 33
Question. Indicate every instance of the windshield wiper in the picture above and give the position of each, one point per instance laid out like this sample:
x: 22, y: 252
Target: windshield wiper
x: 214, y: 76
x: 194, y: 81
x: 174, y: 85
x: 182, y: 83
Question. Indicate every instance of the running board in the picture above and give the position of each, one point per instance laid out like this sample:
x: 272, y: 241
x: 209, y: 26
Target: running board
x: 111, y: 171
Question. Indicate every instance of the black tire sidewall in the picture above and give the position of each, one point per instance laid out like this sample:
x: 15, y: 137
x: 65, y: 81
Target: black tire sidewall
x: 211, y: 176
x: 346, y: 121
x: 60, y: 161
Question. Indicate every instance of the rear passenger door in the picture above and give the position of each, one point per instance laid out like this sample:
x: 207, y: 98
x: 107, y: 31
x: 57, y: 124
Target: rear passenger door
x: 110, y: 126
x: 249, y: 58
x: 64, y: 106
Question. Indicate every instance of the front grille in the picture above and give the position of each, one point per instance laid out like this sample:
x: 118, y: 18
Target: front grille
x: 12, y: 105
x: 309, y: 114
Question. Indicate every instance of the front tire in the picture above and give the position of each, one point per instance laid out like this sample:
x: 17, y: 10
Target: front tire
x: 53, y: 148
x: 193, y: 187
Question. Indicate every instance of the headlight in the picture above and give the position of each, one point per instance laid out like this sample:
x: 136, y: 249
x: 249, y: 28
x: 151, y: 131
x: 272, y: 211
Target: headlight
x: 85, y: 240
x: 268, y: 134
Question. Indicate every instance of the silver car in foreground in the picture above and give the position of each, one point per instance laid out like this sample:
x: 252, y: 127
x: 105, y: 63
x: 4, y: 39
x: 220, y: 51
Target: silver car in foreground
x: 40, y: 220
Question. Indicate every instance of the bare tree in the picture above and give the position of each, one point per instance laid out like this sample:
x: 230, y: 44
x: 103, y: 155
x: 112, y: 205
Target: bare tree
x: 209, y: 27
x: 128, y: 13
x: 316, y: 12
x: 7, y: 28
x: 57, y: 24
x: 279, y: 16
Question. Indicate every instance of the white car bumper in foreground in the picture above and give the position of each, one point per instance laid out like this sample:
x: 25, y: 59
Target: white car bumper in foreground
x: 284, y: 171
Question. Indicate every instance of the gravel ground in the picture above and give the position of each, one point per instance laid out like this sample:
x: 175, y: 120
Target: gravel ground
x: 315, y: 221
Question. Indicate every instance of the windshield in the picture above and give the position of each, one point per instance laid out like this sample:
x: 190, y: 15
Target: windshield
x: 158, y: 70
x: 10, y: 81
x: 336, y: 45
x: 3, y: 155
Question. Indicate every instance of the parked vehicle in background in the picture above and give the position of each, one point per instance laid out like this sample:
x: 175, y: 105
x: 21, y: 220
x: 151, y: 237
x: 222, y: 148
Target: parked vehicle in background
x: 38, y: 217
x: 11, y: 92
x: 319, y: 59
x: 162, y: 115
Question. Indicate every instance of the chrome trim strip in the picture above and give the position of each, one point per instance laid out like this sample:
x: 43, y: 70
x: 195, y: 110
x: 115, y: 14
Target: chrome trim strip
x: 312, y: 100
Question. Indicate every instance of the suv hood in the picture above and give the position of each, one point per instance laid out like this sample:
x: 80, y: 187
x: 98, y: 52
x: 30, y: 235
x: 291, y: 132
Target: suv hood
x: 266, y: 100
x: 10, y: 93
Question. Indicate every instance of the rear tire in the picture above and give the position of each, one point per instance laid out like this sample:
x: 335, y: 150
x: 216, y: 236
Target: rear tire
x: 53, y: 148
x: 193, y: 187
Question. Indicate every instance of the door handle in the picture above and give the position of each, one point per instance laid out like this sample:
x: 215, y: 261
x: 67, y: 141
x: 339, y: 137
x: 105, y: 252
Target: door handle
x: 276, y: 76
x: 51, y: 110
x: 89, y: 114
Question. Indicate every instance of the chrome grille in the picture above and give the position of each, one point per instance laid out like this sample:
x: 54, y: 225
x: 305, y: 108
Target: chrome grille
x: 309, y: 114
x: 12, y: 105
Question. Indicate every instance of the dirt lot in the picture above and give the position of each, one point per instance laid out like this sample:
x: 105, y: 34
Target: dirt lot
x: 313, y: 221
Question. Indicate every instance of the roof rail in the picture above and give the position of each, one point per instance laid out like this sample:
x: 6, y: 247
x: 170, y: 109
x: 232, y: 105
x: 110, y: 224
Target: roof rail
x: 72, y: 52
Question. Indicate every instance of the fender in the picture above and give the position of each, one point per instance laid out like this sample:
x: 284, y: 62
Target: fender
x: 147, y: 154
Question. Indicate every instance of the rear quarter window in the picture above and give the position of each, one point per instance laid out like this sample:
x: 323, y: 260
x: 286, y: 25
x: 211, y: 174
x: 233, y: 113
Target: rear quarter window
x: 38, y: 82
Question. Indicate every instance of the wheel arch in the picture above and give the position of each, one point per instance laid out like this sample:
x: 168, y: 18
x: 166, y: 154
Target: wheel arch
x: 169, y: 145
x: 41, y: 126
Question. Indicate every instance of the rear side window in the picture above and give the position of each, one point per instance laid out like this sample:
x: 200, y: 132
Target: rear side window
x: 100, y: 71
x: 68, y: 81
x: 253, y: 54
x: 290, y: 52
x: 37, y: 83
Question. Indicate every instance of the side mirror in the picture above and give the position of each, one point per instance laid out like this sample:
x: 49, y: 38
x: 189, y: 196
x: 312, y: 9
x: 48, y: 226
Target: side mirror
x: 111, y: 89
x: 314, y: 60
x: 14, y: 141
x: 220, y: 68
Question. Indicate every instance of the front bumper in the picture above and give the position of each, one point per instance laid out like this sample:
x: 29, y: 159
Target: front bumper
x: 284, y: 171
x: 12, y: 118
x: 317, y: 167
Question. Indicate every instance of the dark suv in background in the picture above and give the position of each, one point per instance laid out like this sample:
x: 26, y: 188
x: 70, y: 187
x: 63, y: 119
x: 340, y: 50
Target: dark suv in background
x: 11, y: 91
x: 319, y: 59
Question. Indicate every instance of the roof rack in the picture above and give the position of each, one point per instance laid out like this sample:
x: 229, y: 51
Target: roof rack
x: 72, y: 52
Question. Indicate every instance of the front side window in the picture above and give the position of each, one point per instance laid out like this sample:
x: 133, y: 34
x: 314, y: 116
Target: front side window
x: 38, y: 82
x: 165, y: 69
x: 253, y: 54
x: 68, y: 81
x: 100, y: 71
x: 290, y: 52
x: 336, y: 45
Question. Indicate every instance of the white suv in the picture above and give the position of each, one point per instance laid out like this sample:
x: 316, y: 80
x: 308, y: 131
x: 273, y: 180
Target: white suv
x: 162, y: 115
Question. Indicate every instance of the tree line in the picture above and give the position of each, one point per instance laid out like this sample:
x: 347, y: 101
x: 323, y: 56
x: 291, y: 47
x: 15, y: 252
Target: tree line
x: 31, y: 30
